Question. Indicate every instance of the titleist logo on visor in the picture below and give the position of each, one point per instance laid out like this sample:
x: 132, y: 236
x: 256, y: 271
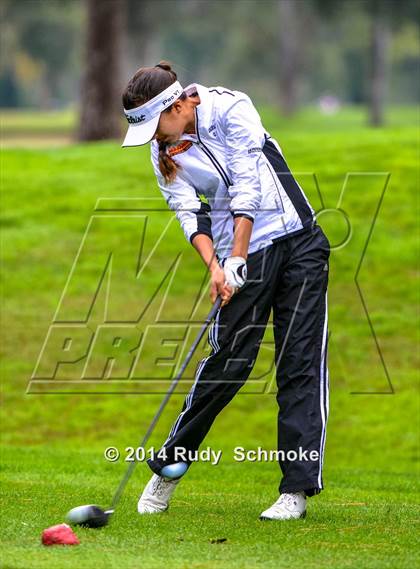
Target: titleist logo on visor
x: 135, y: 120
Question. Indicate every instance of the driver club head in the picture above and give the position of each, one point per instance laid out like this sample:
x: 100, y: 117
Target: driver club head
x: 90, y: 516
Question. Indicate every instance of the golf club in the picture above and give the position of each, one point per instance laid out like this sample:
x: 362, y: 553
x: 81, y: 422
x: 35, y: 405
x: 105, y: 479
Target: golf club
x: 93, y: 516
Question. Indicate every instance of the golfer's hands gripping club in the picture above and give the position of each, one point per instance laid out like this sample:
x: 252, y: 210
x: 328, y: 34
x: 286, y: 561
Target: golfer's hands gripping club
x: 227, y: 280
x: 219, y: 286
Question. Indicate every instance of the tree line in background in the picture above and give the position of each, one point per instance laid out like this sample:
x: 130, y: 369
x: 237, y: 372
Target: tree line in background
x: 285, y: 53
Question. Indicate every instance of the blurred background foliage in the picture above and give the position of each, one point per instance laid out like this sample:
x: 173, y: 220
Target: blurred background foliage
x: 284, y: 53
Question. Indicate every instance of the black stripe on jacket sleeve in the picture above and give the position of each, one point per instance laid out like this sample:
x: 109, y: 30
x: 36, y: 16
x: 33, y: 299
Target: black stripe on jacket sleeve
x: 235, y: 215
x: 203, y: 221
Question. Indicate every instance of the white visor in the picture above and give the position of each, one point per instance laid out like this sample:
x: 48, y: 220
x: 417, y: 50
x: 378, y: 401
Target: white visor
x: 144, y: 120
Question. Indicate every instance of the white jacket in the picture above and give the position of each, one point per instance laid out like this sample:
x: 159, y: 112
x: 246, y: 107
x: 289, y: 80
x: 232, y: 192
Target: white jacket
x: 238, y: 169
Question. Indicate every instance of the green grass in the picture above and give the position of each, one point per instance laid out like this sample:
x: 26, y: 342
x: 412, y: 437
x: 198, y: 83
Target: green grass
x: 361, y: 521
x: 53, y: 444
x: 24, y: 122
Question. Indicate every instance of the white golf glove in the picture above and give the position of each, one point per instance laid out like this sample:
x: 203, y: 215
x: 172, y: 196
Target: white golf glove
x: 235, y: 272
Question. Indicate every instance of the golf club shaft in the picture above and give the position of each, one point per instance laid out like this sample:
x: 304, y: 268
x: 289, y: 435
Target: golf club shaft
x: 165, y: 400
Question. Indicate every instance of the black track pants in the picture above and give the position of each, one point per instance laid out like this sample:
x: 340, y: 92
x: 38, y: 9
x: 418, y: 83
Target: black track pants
x: 289, y: 277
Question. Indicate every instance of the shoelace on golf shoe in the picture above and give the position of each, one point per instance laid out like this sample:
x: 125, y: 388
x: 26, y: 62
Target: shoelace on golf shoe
x: 289, y: 500
x: 161, y: 486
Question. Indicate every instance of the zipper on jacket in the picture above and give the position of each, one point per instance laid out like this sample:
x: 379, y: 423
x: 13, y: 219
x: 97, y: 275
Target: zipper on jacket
x: 212, y: 157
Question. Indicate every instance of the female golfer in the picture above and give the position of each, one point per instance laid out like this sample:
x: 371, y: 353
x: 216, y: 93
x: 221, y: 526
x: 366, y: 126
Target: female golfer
x: 245, y: 214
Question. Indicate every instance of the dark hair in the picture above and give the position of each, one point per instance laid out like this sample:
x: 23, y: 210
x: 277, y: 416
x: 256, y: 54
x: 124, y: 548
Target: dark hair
x: 145, y: 84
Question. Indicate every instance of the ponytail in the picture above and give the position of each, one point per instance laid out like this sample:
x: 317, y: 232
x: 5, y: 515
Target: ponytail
x: 167, y: 165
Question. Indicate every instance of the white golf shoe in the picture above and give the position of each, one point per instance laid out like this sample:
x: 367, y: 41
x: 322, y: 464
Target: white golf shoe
x: 288, y: 507
x: 156, y: 495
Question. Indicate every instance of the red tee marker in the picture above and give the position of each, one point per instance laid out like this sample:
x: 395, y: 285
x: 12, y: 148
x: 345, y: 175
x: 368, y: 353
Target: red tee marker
x: 61, y: 534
